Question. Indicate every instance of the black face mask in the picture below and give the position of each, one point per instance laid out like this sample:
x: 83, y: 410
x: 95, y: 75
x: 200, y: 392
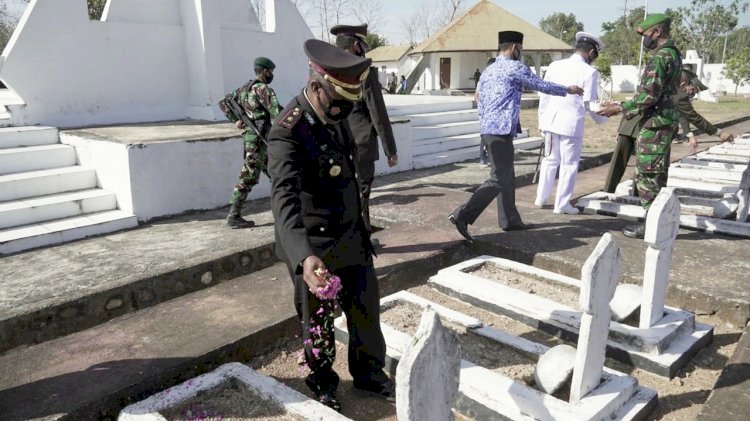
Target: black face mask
x: 345, y: 107
x: 593, y: 55
x: 648, y: 43
x: 269, y: 78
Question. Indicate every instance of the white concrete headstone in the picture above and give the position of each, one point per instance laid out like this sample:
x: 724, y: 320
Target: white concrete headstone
x: 662, y: 225
x: 428, y: 373
x: 598, y: 282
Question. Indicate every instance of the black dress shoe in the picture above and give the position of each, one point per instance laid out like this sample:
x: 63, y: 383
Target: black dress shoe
x: 635, y: 231
x: 376, y: 383
x: 324, y: 386
x: 519, y: 227
x: 461, y: 227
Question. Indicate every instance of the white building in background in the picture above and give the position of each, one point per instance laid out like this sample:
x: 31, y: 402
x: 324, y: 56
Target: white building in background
x: 625, y: 78
x: 145, y: 60
x: 390, y: 59
x: 448, y: 60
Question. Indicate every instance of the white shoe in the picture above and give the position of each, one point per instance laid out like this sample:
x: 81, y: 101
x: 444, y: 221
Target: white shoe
x: 540, y: 203
x: 567, y: 209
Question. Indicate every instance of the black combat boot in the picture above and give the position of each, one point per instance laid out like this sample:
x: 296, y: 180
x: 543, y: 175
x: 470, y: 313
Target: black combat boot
x: 235, y: 220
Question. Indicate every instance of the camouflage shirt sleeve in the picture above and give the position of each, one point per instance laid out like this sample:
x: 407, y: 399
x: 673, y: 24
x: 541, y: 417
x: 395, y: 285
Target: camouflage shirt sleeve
x: 267, y: 99
x: 651, y: 86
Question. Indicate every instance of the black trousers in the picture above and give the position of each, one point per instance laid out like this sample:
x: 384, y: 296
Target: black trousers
x: 360, y: 301
x: 619, y: 163
x: 366, y: 169
x: 501, y: 185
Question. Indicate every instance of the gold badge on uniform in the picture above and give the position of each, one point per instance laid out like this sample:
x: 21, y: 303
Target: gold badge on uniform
x: 334, y: 171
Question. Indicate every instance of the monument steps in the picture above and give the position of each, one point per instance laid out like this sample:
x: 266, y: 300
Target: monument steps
x: 45, y: 198
x: 30, y: 158
x: 63, y: 230
x: 445, y: 129
x: 55, y: 206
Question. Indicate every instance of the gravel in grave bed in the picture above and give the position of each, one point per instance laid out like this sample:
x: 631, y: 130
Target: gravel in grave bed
x: 528, y: 283
x: 229, y: 401
x: 491, y: 355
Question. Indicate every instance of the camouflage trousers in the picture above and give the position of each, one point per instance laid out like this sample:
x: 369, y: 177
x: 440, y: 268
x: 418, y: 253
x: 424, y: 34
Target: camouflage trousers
x: 256, y: 160
x: 652, y: 161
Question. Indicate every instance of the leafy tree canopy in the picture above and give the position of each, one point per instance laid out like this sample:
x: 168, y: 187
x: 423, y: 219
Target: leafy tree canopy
x: 561, y: 26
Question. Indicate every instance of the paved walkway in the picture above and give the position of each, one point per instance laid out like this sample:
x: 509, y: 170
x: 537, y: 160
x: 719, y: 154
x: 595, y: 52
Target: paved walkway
x: 237, y: 308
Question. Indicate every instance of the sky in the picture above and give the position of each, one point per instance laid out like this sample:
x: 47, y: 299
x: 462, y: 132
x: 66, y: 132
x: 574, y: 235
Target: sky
x: 590, y: 12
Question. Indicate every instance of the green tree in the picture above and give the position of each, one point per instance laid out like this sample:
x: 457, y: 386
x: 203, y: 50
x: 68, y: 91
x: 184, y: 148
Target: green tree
x: 96, y: 8
x: 706, y: 21
x: 735, y: 41
x: 622, y: 41
x: 604, y: 66
x: 374, y: 40
x: 561, y: 26
x: 738, y: 68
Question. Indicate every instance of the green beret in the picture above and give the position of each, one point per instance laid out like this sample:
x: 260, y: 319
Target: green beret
x: 264, y: 63
x: 651, y: 20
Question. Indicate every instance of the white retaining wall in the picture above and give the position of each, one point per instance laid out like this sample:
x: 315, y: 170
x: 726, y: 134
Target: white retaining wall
x: 625, y: 79
x: 167, y: 178
x: 146, y: 60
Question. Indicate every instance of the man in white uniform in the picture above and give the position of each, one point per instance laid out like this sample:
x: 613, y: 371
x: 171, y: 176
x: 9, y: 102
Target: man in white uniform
x: 561, y: 121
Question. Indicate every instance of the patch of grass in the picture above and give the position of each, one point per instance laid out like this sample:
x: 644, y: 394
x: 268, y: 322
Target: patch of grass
x: 604, y: 136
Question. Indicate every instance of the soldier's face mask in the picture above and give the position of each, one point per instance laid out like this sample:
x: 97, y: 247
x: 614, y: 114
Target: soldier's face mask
x: 342, y: 107
x: 648, y: 42
x: 269, y: 75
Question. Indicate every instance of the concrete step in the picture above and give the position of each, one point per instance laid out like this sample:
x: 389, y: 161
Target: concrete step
x: 446, y: 157
x: 425, y: 119
x: 56, y: 206
x: 444, y: 144
x: 13, y: 240
x: 32, y: 158
x: 444, y: 130
x: 465, y: 153
x: 46, y: 182
x: 5, y: 120
x: 430, y: 107
x: 14, y: 137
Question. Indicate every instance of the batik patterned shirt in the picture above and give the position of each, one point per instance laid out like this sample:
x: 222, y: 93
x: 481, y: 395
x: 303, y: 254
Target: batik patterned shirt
x: 500, y: 88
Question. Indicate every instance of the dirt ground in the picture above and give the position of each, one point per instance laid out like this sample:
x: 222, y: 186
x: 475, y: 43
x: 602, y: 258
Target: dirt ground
x: 680, y: 398
x: 230, y: 402
x: 604, y: 136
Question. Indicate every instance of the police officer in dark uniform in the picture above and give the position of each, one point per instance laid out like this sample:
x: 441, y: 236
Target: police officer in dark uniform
x: 369, y: 118
x: 317, y: 205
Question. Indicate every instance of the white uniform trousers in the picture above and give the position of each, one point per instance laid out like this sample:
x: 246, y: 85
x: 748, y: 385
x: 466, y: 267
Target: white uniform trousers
x: 561, y: 152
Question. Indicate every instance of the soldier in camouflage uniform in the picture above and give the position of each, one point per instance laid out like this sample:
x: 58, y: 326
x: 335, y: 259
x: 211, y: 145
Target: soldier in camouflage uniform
x: 658, y: 117
x: 259, y: 102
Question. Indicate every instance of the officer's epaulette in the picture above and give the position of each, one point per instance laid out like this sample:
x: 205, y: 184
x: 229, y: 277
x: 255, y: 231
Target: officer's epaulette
x: 291, y: 117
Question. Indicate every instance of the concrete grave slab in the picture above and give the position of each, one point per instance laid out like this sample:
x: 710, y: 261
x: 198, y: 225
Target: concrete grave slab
x: 624, y: 207
x: 555, y: 368
x: 427, y: 377
x: 487, y: 395
x: 626, y: 302
x: 294, y: 403
x: 661, y: 349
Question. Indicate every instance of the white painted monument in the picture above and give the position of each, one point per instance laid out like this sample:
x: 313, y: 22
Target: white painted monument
x: 427, y: 375
x: 145, y: 60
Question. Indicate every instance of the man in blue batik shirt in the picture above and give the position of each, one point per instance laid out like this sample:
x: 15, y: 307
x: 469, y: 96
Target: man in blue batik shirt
x: 500, y: 88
